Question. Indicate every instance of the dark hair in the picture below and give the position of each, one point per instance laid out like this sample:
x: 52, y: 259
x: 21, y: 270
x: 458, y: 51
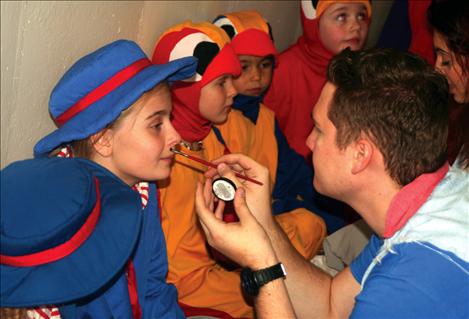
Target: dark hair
x: 451, y: 19
x: 396, y: 99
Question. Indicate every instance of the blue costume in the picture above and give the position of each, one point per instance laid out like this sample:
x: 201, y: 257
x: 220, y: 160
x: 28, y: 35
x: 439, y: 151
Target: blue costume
x: 157, y: 298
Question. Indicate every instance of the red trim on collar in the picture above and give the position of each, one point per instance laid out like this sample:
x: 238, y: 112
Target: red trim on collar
x: 62, y: 250
x: 410, y: 198
x: 104, y: 89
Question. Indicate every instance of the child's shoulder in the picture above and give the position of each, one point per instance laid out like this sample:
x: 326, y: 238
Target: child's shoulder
x: 236, y: 117
x: 266, y: 111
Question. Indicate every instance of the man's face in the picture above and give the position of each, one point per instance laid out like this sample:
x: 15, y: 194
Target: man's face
x: 330, y: 163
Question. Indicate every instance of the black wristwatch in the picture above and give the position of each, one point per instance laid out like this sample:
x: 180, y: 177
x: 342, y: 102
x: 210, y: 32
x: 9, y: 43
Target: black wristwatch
x: 252, y: 280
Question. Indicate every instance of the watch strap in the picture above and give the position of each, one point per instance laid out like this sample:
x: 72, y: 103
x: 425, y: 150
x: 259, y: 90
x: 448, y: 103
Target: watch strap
x: 266, y: 275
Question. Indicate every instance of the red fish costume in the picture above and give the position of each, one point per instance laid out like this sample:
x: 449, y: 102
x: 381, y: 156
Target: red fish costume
x: 299, y: 78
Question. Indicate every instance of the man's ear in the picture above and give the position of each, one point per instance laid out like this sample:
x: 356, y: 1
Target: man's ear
x: 102, y: 142
x: 362, y: 154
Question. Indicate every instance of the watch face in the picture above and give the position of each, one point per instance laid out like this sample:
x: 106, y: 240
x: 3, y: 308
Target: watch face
x: 248, y: 282
x: 224, y: 189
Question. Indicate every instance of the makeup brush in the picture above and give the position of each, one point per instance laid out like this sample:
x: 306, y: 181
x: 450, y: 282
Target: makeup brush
x: 206, y: 163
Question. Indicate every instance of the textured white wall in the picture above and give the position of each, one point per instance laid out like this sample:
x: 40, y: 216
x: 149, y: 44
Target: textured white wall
x: 41, y: 39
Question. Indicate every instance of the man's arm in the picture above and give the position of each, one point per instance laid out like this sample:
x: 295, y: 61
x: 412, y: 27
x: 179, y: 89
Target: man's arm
x: 246, y: 243
x: 314, y: 294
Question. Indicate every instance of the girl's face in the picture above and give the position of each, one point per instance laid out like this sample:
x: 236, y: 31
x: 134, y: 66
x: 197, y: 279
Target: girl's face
x: 140, y: 141
x: 256, y: 75
x: 447, y: 64
x: 216, y: 99
x: 343, y: 25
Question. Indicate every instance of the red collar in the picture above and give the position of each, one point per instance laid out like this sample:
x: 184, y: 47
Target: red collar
x: 410, y: 198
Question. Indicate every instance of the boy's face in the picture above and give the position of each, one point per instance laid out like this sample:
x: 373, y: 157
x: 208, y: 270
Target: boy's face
x: 216, y: 99
x: 256, y: 75
x: 140, y: 141
x: 329, y: 161
x: 343, y: 25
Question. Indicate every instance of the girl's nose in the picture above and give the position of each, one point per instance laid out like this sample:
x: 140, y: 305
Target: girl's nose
x: 173, y: 136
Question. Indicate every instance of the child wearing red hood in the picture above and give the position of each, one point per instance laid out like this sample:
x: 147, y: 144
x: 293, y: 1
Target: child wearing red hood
x: 301, y: 72
x: 209, y: 128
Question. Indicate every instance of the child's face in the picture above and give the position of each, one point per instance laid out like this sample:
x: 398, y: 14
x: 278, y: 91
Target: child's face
x: 216, y: 99
x: 140, y: 141
x: 256, y: 75
x: 343, y: 25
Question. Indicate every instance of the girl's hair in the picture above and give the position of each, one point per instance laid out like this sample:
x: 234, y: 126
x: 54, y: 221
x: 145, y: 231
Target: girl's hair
x: 451, y: 19
x: 13, y: 313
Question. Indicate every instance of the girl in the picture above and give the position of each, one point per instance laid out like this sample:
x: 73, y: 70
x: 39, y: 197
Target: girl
x: 113, y: 108
x: 450, y: 22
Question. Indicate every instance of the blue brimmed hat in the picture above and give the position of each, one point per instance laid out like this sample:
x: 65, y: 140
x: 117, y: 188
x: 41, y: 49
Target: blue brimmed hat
x: 99, y: 86
x: 65, y: 232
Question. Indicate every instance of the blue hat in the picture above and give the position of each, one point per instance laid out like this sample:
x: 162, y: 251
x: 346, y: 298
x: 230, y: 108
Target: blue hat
x: 99, y: 86
x: 65, y: 232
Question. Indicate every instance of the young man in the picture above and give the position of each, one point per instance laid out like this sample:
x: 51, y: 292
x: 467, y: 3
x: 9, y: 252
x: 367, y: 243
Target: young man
x: 379, y: 144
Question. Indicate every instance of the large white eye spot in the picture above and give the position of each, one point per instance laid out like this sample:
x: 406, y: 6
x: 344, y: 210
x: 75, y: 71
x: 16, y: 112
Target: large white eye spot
x: 309, y: 9
x: 186, y: 47
x: 226, y: 24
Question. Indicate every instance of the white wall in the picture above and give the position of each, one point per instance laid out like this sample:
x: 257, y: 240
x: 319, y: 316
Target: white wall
x: 41, y: 39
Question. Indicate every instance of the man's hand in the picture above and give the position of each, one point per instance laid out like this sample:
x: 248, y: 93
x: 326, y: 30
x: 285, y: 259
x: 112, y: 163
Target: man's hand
x: 258, y: 198
x: 245, y: 241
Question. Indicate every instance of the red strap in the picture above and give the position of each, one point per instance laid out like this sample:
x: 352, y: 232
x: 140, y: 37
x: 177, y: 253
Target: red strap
x: 132, y: 286
x: 102, y: 90
x: 62, y: 250
x: 190, y: 311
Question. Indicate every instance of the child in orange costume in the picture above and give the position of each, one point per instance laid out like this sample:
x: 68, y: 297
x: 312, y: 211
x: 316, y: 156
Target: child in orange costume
x: 208, y: 129
x: 293, y: 189
x: 301, y: 72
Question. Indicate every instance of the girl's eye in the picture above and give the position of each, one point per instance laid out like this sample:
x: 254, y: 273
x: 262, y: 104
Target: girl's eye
x: 446, y: 63
x: 362, y: 16
x: 157, y: 126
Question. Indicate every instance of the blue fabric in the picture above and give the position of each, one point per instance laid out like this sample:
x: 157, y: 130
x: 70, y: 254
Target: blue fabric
x: 413, y: 281
x: 44, y: 202
x: 248, y: 105
x: 294, y: 175
x: 396, y: 32
x: 422, y: 271
x: 157, y: 298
